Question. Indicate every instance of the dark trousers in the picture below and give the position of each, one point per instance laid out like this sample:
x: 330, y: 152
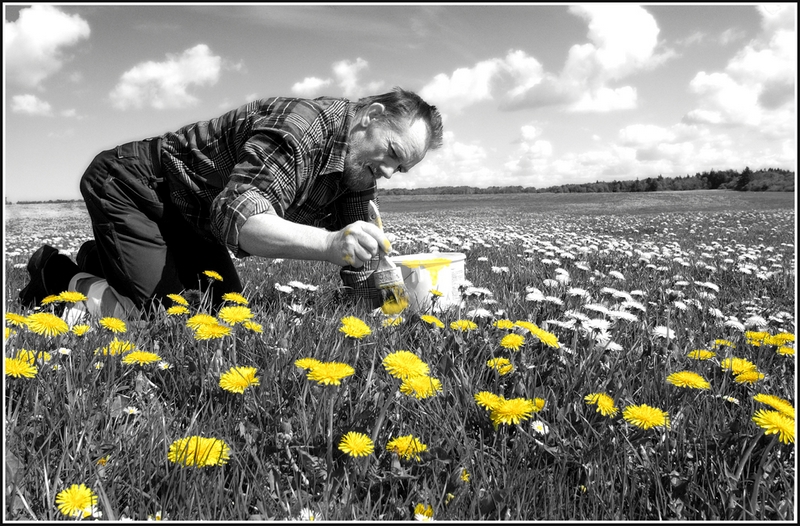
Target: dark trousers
x: 146, y: 249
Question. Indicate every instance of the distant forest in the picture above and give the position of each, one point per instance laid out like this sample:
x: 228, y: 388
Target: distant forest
x: 766, y: 180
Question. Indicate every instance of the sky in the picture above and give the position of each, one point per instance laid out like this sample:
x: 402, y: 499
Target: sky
x: 534, y: 95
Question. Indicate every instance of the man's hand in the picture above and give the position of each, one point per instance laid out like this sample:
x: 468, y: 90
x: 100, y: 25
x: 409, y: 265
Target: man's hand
x: 268, y: 235
x: 356, y: 244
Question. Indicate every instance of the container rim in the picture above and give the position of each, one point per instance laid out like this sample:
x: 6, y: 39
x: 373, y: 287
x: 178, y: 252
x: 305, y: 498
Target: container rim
x: 452, y: 256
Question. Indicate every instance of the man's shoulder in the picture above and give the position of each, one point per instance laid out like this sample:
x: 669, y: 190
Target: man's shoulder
x: 301, y: 114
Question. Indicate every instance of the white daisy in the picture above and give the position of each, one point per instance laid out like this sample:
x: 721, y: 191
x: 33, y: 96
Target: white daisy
x: 663, y: 332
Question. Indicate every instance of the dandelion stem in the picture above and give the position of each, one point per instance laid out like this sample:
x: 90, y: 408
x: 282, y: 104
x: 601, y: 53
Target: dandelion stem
x: 746, y: 456
x: 759, y: 476
x: 329, y: 457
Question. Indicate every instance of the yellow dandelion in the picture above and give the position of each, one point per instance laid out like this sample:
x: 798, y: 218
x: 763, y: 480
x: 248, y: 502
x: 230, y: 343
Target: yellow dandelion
x: 437, y: 293
x: 178, y: 299
x: 701, y: 354
x: 432, y: 320
x: 235, y: 297
x: 72, y: 296
x: 237, y: 379
x: 52, y: 298
x: 17, y: 320
x: 423, y: 512
x: 512, y: 341
x: 463, y: 325
x: 76, y: 501
x: 547, y: 338
x: 10, y: 332
x: 782, y: 338
x: 420, y: 386
x: 488, y: 400
x: 504, y: 324
x: 112, y: 324
x: 353, y: 327
x: 307, y: 363
x: 116, y: 346
x: 198, y: 320
x: 32, y: 356
x: 403, y: 364
x: 688, y: 379
x: 605, y: 404
x: 756, y: 338
x: 776, y: 423
x: 20, y: 368
x: 784, y: 350
x: 748, y: 377
x: 645, y: 417
x: 140, y: 357
x: 724, y: 343
x: 47, y: 324
x: 213, y: 275
x: 177, y: 310
x: 737, y: 365
x: 80, y: 330
x: 211, y: 331
x: 514, y: 410
x: 407, y: 447
x: 392, y: 321
x: 465, y: 476
x: 356, y: 444
x: 235, y: 314
x: 253, y: 326
x: 776, y: 402
x: 199, y: 451
x: 502, y: 365
x: 330, y: 373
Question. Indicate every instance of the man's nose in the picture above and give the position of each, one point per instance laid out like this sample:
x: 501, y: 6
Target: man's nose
x: 387, y: 171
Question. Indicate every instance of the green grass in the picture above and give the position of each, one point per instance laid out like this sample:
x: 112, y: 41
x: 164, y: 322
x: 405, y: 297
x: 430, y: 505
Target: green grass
x: 713, y: 463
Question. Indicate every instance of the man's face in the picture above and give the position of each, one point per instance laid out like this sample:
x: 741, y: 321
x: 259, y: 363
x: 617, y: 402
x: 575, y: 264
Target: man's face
x: 376, y: 150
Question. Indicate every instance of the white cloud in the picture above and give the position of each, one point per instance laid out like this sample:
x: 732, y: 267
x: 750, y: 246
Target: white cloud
x: 606, y: 99
x: 645, y: 135
x: 623, y: 41
x: 466, y: 86
x: 163, y: 85
x: 757, y: 87
x: 34, y: 43
x: 30, y: 105
x: 624, y: 37
x: 310, y: 87
x: 346, y: 76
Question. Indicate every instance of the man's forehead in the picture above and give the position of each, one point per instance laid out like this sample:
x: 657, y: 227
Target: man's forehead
x: 413, y: 140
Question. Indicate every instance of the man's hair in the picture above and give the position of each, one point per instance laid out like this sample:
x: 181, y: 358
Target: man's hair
x: 400, y: 104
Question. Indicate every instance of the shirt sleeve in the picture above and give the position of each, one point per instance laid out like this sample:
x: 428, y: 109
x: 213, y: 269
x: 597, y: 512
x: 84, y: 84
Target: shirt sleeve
x: 358, y: 282
x: 265, y: 179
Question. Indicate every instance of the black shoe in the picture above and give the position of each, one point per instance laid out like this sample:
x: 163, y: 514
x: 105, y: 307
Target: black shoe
x: 50, y: 273
x: 35, y: 291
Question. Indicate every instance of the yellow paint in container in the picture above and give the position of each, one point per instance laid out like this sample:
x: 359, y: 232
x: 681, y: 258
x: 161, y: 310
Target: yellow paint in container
x: 437, y: 271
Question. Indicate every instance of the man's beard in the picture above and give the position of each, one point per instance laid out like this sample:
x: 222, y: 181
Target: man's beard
x: 356, y: 175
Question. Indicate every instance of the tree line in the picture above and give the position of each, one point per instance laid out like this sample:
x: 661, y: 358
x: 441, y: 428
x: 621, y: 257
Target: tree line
x: 764, y: 180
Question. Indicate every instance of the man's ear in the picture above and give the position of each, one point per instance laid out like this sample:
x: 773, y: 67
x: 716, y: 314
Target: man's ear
x: 374, y: 111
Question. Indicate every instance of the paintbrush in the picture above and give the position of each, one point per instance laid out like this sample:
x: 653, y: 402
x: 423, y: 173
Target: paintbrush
x: 387, y: 277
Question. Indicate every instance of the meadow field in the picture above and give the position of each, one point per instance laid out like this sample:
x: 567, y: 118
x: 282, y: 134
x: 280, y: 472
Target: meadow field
x: 613, y: 357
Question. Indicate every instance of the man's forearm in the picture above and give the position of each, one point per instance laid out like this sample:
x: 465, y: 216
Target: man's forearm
x: 271, y: 236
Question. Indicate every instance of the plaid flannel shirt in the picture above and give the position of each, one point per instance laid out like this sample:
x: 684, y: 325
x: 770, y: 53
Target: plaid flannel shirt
x: 277, y: 155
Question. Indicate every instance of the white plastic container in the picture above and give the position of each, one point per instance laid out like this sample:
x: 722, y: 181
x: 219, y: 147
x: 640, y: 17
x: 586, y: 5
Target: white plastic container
x: 435, y: 271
